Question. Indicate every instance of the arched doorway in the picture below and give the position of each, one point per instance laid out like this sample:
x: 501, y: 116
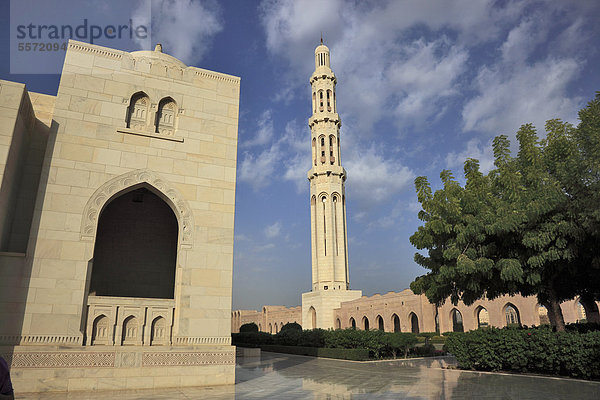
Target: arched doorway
x: 457, y: 321
x: 380, y: 325
x: 338, y: 324
x: 366, y: 323
x: 511, y: 314
x: 352, y: 323
x: 312, y: 315
x: 414, y: 323
x: 396, y: 322
x: 483, y: 317
x: 543, y: 314
x: 135, y: 254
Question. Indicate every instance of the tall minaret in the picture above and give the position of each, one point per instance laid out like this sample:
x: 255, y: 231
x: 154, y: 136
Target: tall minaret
x: 330, y: 282
x: 327, y: 176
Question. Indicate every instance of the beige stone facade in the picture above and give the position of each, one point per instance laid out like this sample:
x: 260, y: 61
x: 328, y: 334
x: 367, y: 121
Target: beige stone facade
x: 116, y: 224
x: 330, y: 304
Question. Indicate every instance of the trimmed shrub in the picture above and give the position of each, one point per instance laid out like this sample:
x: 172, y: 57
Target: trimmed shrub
x: 537, y: 350
x: 250, y: 327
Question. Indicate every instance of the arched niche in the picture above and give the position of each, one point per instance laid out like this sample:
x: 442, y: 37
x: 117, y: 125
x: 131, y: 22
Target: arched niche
x: 396, y: 322
x: 129, y: 181
x: 414, y: 322
x: 365, y: 323
x: 312, y: 316
x: 457, y: 321
x: 352, y: 323
x: 380, y: 324
x: 135, y: 251
x: 482, y: 317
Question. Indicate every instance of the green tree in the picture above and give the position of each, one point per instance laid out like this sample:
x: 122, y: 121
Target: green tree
x: 529, y: 226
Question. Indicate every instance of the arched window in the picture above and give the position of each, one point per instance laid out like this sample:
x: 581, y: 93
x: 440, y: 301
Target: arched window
x: 512, y: 315
x: 137, y: 112
x: 366, y: 323
x: 396, y: 322
x: 101, y: 330
x: 338, y: 324
x: 270, y: 328
x: 329, y: 100
x: 380, y: 323
x: 165, y: 117
x: 331, y: 144
x: 314, y: 151
x: 457, y: 321
x: 352, y: 323
x: 414, y: 323
x: 130, y: 331
x: 259, y: 327
x: 483, y: 317
x: 314, y: 102
x: 321, y: 100
x: 159, y: 332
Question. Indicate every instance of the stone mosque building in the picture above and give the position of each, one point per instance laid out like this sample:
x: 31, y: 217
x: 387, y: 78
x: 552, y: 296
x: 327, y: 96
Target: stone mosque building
x: 331, y: 304
x: 116, y: 224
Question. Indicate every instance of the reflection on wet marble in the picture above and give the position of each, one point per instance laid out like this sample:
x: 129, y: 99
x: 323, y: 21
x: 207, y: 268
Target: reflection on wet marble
x: 284, y: 376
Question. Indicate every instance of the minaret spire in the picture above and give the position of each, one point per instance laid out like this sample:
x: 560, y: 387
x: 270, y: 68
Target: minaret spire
x: 327, y: 176
x: 330, y: 282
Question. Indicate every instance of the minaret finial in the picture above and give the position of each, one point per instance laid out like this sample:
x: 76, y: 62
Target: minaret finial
x: 321, y: 37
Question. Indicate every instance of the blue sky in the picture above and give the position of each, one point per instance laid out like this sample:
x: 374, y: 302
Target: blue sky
x: 422, y: 85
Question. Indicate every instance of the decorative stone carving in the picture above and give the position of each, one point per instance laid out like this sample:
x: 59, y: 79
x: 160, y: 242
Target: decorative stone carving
x: 81, y: 359
x: 187, y: 358
x: 106, y: 192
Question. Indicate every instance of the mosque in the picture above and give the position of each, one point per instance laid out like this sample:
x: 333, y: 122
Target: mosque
x: 117, y: 205
x: 331, y: 304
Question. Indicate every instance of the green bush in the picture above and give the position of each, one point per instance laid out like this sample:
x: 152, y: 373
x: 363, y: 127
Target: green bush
x: 427, y: 350
x: 379, y: 344
x: 537, y: 350
x: 250, y: 327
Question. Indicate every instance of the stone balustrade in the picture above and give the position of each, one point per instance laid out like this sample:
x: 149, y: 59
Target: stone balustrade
x: 129, y: 321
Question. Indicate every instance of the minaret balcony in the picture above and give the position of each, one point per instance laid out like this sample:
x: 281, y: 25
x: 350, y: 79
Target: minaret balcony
x: 325, y: 117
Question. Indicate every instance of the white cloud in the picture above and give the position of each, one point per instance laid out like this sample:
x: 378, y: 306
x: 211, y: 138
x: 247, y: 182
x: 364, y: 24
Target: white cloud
x: 386, y: 69
x: 273, y: 230
x: 373, y: 179
x: 257, y: 170
x: 185, y: 28
x: 520, y: 87
x: 264, y: 133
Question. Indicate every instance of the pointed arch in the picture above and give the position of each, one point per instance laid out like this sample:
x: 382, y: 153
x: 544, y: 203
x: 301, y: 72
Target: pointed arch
x: 132, y: 180
x: 457, y: 320
x: 482, y: 317
x: 312, y: 315
x: 414, y: 322
x: 365, y: 323
x: 511, y: 315
x: 352, y: 323
x: 396, y: 322
x: 138, y: 111
x: 380, y: 324
x: 166, y: 114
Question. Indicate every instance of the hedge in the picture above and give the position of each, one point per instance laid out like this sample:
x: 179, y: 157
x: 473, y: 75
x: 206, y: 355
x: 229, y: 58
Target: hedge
x: 344, y: 354
x: 538, y: 350
x: 379, y: 344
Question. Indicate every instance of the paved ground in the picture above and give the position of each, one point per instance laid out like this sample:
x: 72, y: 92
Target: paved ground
x: 283, y: 376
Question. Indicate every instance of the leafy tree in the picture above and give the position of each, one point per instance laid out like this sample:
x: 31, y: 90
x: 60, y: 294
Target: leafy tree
x: 291, y: 326
x: 530, y: 226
